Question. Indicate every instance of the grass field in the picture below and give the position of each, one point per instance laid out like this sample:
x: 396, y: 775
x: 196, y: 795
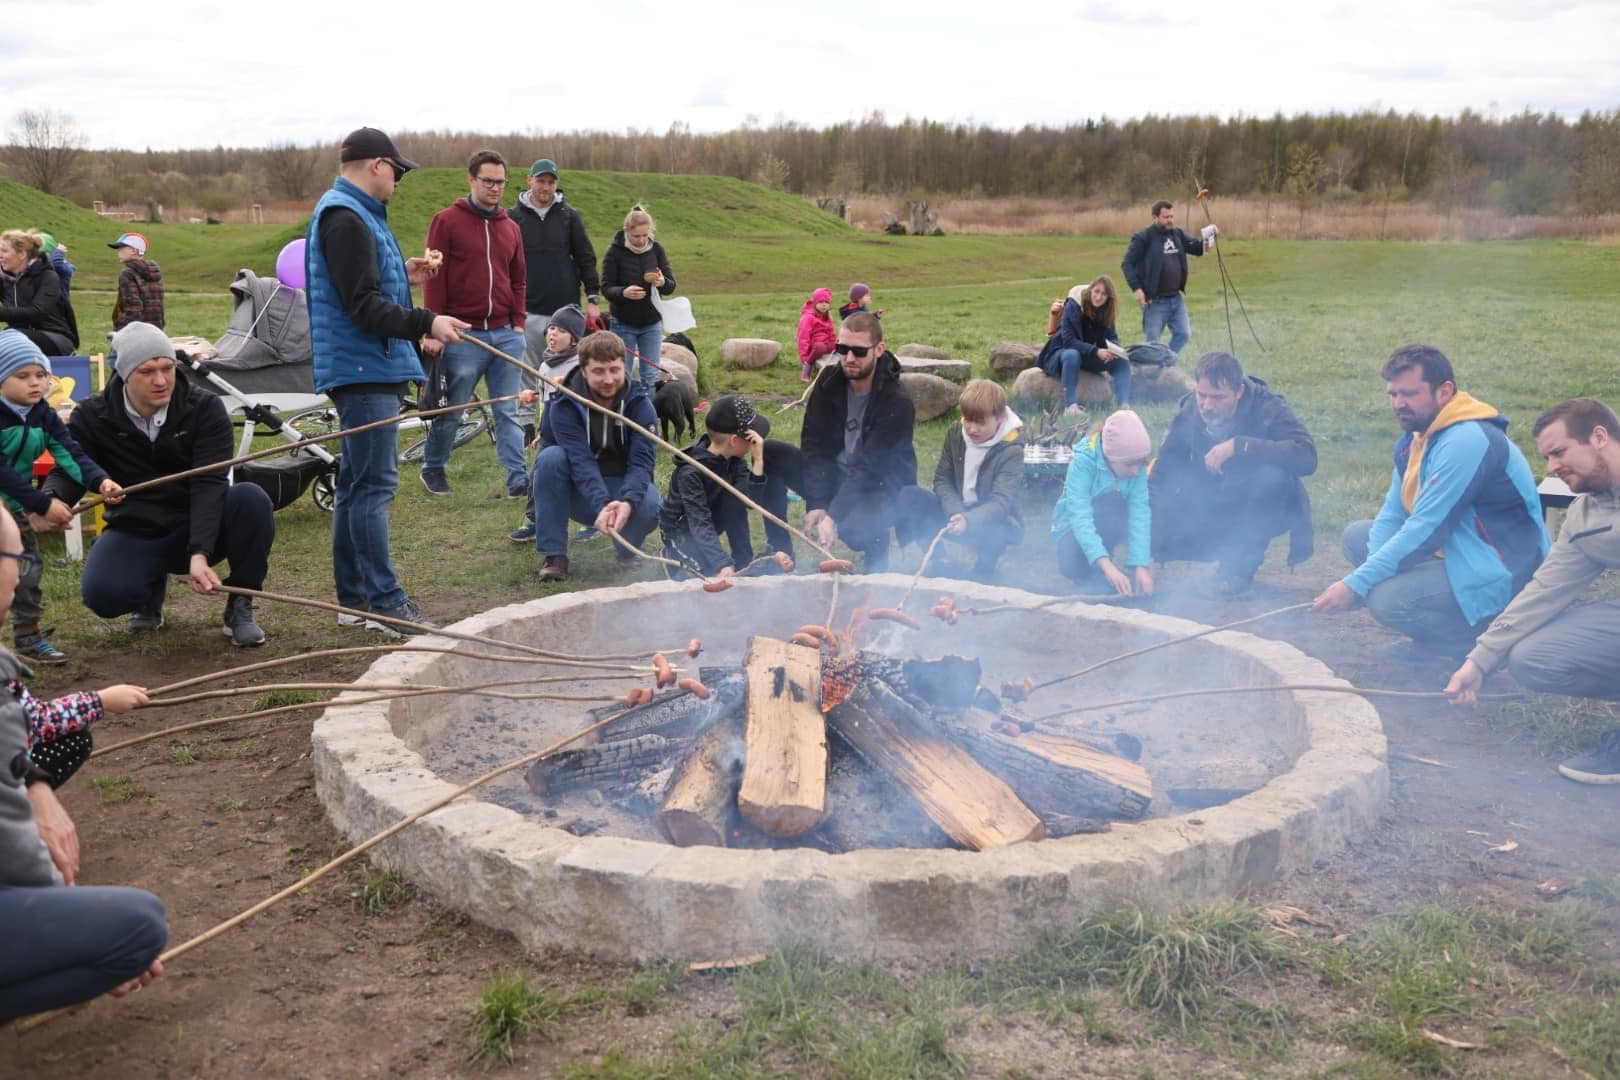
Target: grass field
x: 1526, y: 323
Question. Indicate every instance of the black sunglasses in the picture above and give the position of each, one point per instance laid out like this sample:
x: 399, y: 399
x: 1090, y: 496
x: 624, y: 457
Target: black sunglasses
x: 26, y: 563
x: 399, y: 173
x: 861, y: 351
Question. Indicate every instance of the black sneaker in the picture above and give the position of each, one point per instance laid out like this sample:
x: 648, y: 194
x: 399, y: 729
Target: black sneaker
x: 1599, y: 765
x: 412, y: 621
x: 149, y: 616
x: 436, y: 483
x: 520, y: 490
x: 523, y: 534
x: 36, y: 650
x: 1225, y: 586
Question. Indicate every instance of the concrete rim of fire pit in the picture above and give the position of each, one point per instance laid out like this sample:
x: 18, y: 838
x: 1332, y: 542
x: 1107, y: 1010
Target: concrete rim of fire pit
x: 629, y: 899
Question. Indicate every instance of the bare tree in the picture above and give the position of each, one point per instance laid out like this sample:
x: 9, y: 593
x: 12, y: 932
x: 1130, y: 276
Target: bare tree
x: 291, y: 169
x: 45, y: 149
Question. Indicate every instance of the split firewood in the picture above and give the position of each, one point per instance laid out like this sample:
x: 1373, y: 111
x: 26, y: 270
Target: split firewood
x: 784, y: 778
x: 697, y: 808
x: 605, y: 764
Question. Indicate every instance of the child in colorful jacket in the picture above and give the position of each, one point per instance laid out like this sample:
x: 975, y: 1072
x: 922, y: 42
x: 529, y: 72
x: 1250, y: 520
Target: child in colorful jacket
x: 817, y: 335
x: 1105, y: 501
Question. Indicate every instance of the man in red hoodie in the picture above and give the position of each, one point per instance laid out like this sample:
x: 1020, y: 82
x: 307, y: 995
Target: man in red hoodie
x: 482, y: 282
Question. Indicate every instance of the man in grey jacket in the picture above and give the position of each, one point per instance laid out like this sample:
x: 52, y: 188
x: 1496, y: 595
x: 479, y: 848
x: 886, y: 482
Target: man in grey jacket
x: 1548, y: 645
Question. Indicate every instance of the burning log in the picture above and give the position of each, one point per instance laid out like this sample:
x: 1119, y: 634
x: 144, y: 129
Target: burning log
x: 972, y: 806
x: 697, y: 806
x: 596, y: 766
x: 784, y: 780
x: 674, y: 713
x: 866, y: 808
x: 1054, y: 774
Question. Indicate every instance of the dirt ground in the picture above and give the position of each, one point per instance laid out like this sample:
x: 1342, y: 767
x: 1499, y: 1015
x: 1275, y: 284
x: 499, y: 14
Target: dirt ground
x: 316, y: 985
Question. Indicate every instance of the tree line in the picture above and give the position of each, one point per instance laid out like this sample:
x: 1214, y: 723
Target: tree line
x: 1529, y: 163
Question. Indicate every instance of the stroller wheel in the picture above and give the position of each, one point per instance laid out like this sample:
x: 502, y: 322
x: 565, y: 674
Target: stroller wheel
x: 324, y: 490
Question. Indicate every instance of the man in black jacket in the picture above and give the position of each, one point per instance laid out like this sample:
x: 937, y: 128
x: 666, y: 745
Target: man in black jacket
x: 149, y: 422
x: 1155, y: 268
x: 860, y: 467
x: 559, y: 258
x: 1227, y: 478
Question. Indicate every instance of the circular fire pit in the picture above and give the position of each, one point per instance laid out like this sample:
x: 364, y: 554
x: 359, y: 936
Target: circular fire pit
x: 1246, y: 787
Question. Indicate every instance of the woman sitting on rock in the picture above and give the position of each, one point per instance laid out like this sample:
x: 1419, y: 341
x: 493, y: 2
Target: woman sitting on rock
x: 1079, y: 330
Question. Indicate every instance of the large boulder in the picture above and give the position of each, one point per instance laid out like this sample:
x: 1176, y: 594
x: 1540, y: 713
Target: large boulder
x: 1035, y: 391
x: 927, y: 352
x: 1150, y: 382
x: 680, y: 354
x: 679, y: 371
x: 750, y: 353
x: 1008, y: 358
x: 958, y: 371
x: 932, y: 395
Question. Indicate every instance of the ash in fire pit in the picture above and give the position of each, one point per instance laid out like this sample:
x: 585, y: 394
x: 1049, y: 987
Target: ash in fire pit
x: 839, y: 753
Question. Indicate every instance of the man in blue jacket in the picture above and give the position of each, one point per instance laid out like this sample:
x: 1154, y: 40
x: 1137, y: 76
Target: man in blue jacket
x: 1460, y: 530
x: 1155, y: 268
x: 363, y: 331
x: 595, y: 469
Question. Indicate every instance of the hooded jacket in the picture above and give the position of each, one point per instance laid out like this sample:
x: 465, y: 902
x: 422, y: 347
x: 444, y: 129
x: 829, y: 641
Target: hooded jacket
x: 22, y: 440
x: 1144, y: 258
x: 484, y: 273
x: 1463, y: 489
x: 622, y: 267
x: 687, y: 517
x: 558, y: 254
x: 35, y: 301
x: 887, y: 460
x: 1265, y: 431
x: 817, y: 335
x: 24, y: 859
x: 1001, y: 476
x: 1088, y: 477
x: 197, y: 432
x: 140, y: 294
x: 597, y: 447
x: 1075, y: 331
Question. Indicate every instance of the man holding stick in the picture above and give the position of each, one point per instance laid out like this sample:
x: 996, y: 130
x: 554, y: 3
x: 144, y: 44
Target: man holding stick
x: 148, y: 423
x: 1549, y: 645
x: 362, y: 329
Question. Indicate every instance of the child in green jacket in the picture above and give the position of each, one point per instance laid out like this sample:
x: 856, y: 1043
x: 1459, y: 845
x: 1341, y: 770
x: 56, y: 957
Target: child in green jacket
x: 981, y: 468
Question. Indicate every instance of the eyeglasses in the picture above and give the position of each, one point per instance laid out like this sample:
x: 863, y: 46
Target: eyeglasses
x: 861, y: 351
x: 399, y: 173
x: 26, y: 563
x: 491, y: 181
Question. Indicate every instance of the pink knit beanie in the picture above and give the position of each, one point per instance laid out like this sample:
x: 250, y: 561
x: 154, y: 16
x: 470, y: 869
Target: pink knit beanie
x: 821, y: 296
x: 1125, y: 437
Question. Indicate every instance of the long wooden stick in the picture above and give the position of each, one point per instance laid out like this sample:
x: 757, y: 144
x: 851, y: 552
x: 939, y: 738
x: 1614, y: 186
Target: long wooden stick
x: 922, y: 568
x: 1212, y: 691
x: 658, y: 440
x: 658, y: 560
x: 348, y: 856
x: 94, y: 501
x: 1205, y: 632
x: 271, y: 688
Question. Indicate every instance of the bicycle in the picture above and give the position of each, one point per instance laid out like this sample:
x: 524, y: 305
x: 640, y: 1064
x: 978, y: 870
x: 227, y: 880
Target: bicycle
x: 472, y: 422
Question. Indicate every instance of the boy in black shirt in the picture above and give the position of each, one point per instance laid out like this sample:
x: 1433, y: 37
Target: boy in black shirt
x: 698, y: 510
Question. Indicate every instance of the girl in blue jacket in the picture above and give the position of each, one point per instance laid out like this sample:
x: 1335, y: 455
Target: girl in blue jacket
x: 1104, y: 502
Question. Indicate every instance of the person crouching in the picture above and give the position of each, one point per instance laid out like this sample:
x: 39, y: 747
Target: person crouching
x: 698, y: 510
x: 1104, y: 502
x: 980, y: 471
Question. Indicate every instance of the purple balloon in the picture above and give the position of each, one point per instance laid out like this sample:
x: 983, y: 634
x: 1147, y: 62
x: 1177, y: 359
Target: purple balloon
x: 290, y: 264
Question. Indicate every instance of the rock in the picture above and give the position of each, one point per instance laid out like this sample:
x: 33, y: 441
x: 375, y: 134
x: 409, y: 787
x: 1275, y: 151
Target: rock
x: 750, y: 353
x: 1008, y: 358
x: 928, y: 352
x: 958, y: 371
x: 932, y: 395
x: 1149, y: 382
x: 679, y: 372
x: 1036, y: 391
x: 680, y: 354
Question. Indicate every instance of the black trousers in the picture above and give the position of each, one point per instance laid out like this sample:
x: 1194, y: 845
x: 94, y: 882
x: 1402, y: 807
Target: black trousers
x: 1228, y: 519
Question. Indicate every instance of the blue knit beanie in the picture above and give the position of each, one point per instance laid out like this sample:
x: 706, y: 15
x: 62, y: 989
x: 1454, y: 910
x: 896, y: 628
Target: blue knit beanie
x: 17, y: 352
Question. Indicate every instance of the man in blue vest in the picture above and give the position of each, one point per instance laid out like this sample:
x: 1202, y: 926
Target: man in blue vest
x: 364, y: 331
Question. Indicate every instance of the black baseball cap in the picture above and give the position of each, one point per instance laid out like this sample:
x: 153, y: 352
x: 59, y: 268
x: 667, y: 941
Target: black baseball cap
x: 732, y: 415
x: 363, y: 144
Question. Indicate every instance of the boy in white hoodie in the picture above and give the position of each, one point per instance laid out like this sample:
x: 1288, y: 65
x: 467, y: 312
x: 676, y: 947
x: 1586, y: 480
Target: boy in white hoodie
x: 980, y: 471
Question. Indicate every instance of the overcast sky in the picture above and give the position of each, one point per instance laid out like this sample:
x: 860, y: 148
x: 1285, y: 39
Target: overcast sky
x: 171, y: 74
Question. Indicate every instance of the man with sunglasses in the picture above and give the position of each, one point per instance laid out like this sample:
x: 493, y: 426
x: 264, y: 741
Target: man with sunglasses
x: 363, y: 331
x: 860, y: 467
x: 481, y: 282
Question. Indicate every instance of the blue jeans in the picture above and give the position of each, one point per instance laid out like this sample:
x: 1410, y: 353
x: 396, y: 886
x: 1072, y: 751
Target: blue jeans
x: 1168, y: 311
x: 556, y: 500
x: 65, y: 945
x: 368, y: 477
x: 641, y: 341
x: 1072, y: 364
x: 123, y: 571
x: 1417, y: 601
x: 464, y: 365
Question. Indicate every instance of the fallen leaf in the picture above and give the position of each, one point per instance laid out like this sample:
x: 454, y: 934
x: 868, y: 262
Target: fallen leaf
x: 1504, y: 847
x: 1457, y: 1044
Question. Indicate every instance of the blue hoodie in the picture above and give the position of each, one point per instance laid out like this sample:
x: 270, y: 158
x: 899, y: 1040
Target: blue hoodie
x: 1089, y: 476
x: 596, y: 447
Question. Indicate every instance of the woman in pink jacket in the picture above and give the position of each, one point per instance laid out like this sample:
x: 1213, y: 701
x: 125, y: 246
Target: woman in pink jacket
x: 817, y: 335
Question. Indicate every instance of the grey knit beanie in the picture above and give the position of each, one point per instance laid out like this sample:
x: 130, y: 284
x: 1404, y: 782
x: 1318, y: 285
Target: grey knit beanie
x: 136, y: 344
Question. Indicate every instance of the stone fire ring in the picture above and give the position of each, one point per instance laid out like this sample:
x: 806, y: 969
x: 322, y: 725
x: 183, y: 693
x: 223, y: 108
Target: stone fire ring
x: 627, y: 900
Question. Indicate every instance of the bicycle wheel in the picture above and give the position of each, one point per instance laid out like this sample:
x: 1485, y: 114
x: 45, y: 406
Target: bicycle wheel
x: 313, y: 422
x: 472, y: 423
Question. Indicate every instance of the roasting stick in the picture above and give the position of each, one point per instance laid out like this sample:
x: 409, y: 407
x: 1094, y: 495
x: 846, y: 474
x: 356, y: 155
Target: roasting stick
x: 242, y: 691
x: 359, y: 849
x: 1205, y: 632
x: 922, y: 569
x: 661, y: 561
x: 1330, y: 688
x: 658, y: 440
x: 1095, y: 598
x: 94, y: 501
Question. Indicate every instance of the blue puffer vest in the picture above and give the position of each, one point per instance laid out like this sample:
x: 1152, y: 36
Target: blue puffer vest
x: 344, y: 354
